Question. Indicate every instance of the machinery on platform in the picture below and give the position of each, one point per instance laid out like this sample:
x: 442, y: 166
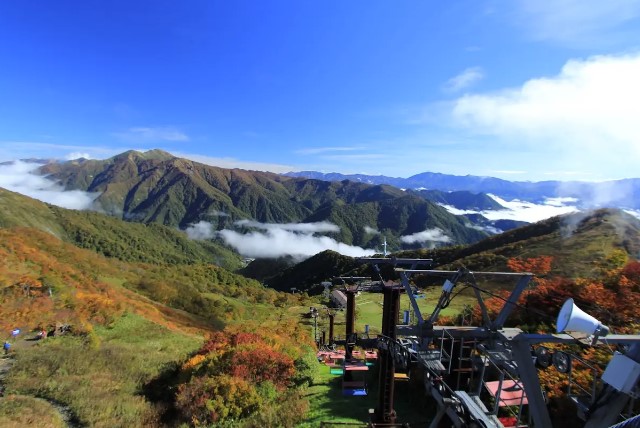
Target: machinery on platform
x: 462, y: 364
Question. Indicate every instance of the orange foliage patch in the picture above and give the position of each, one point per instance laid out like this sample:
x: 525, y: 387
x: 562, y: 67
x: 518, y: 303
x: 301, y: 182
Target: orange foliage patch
x: 35, y: 262
x: 536, y: 265
x: 259, y: 364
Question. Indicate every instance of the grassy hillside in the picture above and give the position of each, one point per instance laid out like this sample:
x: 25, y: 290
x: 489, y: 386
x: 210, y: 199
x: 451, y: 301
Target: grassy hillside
x: 139, y: 322
x: 42, y: 277
x: 127, y: 241
x: 579, y: 244
x: 402, y: 215
x: 130, y: 324
x: 19, y: 210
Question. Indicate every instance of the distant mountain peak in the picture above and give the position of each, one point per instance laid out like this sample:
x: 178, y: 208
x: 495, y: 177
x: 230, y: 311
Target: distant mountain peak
x: 157, y: 154
x: 154, y: 154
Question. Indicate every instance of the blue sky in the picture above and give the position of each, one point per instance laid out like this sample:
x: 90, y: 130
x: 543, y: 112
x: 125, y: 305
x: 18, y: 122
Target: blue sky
x: 522, y: 90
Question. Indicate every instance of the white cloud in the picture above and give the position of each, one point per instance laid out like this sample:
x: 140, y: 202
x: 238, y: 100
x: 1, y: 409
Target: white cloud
x: 235, y: 163
x: 604, y: 194
x: 456, y: 211
x: 371, y: 231
x: 464, y: 80
x: 295, y: 240
x: 200, y: 231
x: 14, y: 150
x: 152, y: 134
x: 18, y: 178
x: 217, y: 213
x: 583, y: 118
x: 489, y: 229
x: 527, y: 211
x: 522, y: 210
x: 560, y: 201
x: 427, y: 236
x: 577, y: 23
x: 77, y: 155
x: 635, y: 213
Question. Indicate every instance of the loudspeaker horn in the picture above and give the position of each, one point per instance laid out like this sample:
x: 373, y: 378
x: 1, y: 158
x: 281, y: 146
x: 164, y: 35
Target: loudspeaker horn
x: 572, y: 318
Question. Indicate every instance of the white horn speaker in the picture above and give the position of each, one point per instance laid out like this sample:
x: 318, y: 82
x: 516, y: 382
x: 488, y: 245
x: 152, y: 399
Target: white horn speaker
x: 572, y: 318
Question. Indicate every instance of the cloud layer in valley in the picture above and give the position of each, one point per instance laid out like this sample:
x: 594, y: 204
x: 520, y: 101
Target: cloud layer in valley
x: 523, y: 210
x: 432, y: 236
x: 293, y: 239
x: 18, y: 177
x: 200, y: 231
x: 371, y: 230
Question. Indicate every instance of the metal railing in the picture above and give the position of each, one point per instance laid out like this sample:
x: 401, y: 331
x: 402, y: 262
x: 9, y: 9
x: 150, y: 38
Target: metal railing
x: 517, y: 383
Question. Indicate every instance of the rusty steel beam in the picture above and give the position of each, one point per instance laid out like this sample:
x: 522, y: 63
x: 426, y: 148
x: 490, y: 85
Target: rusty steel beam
x: 385, y: 413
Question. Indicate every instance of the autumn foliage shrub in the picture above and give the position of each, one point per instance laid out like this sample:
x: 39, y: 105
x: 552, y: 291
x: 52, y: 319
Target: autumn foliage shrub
x: 206, y: 400
x: 612, y: 296
x: 261, y: 364
x: 240, y: 378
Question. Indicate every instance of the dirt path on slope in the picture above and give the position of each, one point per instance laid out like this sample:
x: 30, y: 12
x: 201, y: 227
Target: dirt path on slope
x: 7, y: 362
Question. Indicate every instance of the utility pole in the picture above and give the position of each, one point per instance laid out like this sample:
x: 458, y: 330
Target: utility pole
x: 350, y: 323
x: 314, y: 314
x: 331, y: 321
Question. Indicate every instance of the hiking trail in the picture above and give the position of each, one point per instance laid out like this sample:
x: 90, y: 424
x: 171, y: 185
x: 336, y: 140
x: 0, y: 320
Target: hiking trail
x: 23, y: 344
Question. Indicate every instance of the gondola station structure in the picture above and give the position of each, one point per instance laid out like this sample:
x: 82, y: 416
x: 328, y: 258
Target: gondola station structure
x: 484, y: 375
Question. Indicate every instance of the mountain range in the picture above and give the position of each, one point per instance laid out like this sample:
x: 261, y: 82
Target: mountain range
x: 156, y: 187
x: 613, y: 193
x: 578, y: 242
x: 241, y: 210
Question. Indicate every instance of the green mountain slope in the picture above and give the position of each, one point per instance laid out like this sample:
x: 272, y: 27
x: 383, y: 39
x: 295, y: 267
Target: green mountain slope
x: 151, y: 243
x: 304, y: 276
x: 395, y: 217
x: 580, y: 245
x: 157, y: 187
x: 131, y: 326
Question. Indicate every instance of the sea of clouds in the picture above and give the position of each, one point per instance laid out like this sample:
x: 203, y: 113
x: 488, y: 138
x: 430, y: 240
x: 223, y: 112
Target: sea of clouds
x: 523, y: 210
x: 18, y: 177
x: 299, y: 240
